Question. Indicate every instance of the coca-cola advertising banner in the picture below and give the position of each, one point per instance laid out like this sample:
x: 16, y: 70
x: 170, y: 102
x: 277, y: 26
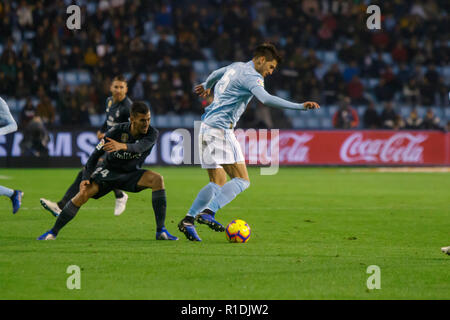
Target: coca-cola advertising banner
x: 262, y: 147
x: 348, y: 147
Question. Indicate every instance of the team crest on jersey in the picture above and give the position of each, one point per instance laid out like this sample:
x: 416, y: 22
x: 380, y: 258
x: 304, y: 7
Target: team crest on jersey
x: 124, y: 137
x: 100, y: 145
x: 260, y: 82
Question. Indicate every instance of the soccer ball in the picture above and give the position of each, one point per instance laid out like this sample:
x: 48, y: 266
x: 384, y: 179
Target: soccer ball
x: 238, y: 231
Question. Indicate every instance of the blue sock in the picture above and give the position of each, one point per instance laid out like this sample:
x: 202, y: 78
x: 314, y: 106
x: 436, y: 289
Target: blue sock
x: 203, y: 198
x: 6, y: 192
x: 229, y: 191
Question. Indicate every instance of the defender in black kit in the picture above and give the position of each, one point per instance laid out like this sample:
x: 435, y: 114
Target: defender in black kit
x: 117, y: 111
x: 126, y: 146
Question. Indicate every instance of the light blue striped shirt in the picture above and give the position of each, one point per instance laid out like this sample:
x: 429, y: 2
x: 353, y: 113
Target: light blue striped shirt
x: 235, y: 86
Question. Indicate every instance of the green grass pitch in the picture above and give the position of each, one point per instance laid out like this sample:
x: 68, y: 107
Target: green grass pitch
x: 314, y: 233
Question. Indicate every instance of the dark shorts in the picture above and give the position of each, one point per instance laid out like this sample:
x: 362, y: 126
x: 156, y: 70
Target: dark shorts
x: 108, y: 180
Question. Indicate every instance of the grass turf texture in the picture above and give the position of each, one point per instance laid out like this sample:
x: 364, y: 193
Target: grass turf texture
x: 314, y: 233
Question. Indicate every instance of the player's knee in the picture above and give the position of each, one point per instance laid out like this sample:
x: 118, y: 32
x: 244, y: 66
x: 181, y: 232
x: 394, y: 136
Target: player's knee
x: 159, y: 181
x: 154, y: 180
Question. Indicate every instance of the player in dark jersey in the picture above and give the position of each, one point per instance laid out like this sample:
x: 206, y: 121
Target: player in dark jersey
x: 117, y: 111
x: 126, y: 146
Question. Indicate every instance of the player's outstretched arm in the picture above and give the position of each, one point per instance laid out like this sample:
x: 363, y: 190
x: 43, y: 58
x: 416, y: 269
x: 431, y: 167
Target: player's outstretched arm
x: 6, y: 117
x: 273, y: 101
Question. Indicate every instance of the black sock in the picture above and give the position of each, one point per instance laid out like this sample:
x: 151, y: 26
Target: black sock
x: 159, y: 203
x: 189, y: 219
x: 72, y: 191
x: 118, y: 193
x: 67, y: 214
x: 208, y: 211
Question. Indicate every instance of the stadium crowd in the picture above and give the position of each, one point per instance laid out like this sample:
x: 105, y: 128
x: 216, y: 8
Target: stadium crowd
x: 330, y: 56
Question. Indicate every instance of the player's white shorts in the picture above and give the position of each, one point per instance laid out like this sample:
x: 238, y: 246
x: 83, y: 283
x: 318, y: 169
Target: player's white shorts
x: 218, y: 146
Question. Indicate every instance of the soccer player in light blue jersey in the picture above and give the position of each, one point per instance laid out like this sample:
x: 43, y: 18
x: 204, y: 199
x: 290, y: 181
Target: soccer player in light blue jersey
x: 8, y: 125
x: 220, y: 152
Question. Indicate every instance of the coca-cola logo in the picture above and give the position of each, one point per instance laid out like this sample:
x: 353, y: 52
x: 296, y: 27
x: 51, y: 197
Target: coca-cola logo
x: 283, y: 147
x: 400, y: 147
x: 293, y: 148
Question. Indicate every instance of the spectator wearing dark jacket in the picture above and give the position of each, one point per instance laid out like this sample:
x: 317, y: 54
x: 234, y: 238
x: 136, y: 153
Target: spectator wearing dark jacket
x: 345, y: 117
x: 27, y: 114
x: 413, y: 122
x: 431, y: 122
x: 371, y: 117
x: 388, y: 116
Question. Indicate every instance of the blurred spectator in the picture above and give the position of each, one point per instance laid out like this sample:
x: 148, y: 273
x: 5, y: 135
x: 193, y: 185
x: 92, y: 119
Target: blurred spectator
x: 27, y: 114
x: 371, y: 117
x: 24, y: 15
x: 406, y: 60
x: 35, y: 139
x: 331, y: 82
x: 388, y: 116
x: 399, y: 54
x: 431, y: 122
x: 355, y: 91
x: 263, y: 117
x: 351, y: 71
x: 90, y: 58
x: 411, y: 92
x: 46, y: 111
x: 427, y: 92
x: 345, y: 117
x: 384, y: 91
x: 413, y: 122
x: 399, y: 123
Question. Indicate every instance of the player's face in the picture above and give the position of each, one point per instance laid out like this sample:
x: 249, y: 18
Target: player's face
x: 141, y: 122
x: 268, y: 67
x: 119, y: 90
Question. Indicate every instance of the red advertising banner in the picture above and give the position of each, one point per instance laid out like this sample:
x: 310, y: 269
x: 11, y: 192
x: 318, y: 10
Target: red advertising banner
x: 345, y: 147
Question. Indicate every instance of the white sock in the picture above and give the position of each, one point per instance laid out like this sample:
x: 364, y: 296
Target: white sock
x: 6, y: 192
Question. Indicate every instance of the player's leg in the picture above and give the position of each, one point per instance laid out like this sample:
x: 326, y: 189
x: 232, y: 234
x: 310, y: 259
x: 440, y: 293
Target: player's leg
x: 70, y: 210
x: 155, y: 181
x: 55, y: 208
x: 238, y: 183
x: 14, y: 195
x: 217, y: 178
x: 237, y: 170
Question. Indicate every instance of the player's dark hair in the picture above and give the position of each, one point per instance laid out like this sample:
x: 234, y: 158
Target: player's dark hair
x: 139, y: 107
x: 267, y: 50
x: 120, y: 77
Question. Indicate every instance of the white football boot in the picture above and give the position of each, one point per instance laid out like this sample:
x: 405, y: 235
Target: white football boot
x: 50, y: 206
x: 121, y: 204
x: 446, y: 250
